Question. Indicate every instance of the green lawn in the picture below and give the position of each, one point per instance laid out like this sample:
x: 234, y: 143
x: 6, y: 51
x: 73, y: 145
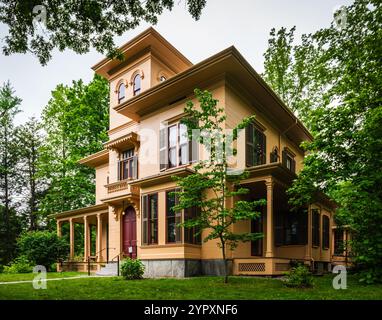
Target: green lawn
x: 191, y: 288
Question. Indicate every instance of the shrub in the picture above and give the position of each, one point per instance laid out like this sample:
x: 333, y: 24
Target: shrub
x: 299, y: 277
x: 20, y: 265
x: 43, y: 247
x: 132, y: 269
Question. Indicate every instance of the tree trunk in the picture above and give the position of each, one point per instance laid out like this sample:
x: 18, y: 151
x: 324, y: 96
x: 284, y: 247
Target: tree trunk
x: 224, y: 261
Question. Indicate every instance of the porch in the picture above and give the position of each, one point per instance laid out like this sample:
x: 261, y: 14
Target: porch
x: 86, y: 230
x: 288, y: 235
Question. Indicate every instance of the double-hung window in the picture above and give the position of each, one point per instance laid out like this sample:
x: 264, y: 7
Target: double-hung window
x: 127, y: 165
x: 150, y: 219
x: 173, y: 219
x: 315, y: 228
x: 325, y: 232
x: 255, y: 146
x: 288, y: 160
x: 175, y: 148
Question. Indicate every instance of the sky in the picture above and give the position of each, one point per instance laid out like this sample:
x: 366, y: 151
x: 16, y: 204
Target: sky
x: 243, y: 23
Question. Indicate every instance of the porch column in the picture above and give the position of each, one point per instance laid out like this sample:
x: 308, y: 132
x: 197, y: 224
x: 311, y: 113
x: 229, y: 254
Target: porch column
x: 59, y: 230
x: 269, y: 248
x: 99, y: 237
x: 86, y: 238
x: 71, y: 223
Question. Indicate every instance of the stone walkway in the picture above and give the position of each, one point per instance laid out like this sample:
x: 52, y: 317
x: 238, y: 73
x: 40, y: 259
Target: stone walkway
x: 53, y: 279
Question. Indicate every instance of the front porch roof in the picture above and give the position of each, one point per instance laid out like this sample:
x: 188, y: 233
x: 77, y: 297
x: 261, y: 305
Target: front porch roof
x: 98, y: 208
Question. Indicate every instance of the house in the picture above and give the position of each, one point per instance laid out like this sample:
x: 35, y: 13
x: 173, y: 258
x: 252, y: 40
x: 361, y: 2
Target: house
x: 132, y: 216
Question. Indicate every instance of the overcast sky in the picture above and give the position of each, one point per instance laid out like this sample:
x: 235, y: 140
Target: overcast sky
x: 242, y: 23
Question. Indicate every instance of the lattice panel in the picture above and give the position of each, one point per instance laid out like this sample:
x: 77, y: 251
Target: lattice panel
x: 282, y: 266
x: 251, y: 267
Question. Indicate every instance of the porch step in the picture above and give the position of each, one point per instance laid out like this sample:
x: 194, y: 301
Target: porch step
x: 110, y: 269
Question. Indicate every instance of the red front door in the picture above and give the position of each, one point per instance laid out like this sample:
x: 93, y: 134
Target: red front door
x: 129, y: 233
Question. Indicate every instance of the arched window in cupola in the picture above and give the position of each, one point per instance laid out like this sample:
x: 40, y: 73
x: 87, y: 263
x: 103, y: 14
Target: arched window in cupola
x: 137, y: 84
x: 121, y: 92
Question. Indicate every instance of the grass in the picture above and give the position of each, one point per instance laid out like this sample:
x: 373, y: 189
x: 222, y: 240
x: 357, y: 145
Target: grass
x: 238, y: 288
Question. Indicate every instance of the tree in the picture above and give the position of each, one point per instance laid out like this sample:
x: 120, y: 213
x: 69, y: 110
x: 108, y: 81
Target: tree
x: 213, y: 184
x: 9, y: 107
x: 42, y: 247
x: 76, y: 121
x: 292, y: 71
x: 345, y: 158
x: 77, y: 25
x: 29, y: 140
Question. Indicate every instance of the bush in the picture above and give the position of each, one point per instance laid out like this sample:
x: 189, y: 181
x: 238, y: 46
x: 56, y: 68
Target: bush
x: 299, y: 277
x: 43, y: 247
x: 19, y: 265
x: 132, y: 269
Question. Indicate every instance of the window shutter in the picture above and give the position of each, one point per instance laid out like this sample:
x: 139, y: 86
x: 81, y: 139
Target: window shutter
x: 163, y: 149
x: 134, y: 174
x: 279, y: 229
x: 193, y: 147
x: 293, y: 168
x: 284, y: 158
x: 249, y: 150
x: 263, y: 149
x: 119, y: 169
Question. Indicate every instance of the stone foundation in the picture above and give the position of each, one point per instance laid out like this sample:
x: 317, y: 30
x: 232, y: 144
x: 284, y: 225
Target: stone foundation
x: 180, y: 268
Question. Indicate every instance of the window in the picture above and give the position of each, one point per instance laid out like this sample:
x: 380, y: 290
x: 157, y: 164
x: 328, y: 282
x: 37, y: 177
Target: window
x: 325, y: 232
x: 190, y: 235
x: 121, y: 92
x: 162, y: 78
x: 274, y: 156
x: 291, y: 227
x: 128, y: 165
x: 174, y: 231
x: 255, y: 146
x: 315, y: 228
x: 339, y: 245
x: 175, y: 149
x: 288, y: 161
x: 150, y: 219
x: 137, y: 84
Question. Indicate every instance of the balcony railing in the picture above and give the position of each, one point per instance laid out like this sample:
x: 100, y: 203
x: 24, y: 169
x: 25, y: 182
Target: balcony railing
x: 122, y: 185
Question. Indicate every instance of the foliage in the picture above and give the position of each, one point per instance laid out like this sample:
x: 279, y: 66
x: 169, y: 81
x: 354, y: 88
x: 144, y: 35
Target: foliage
x: 29, y: 140
x: 212, y: 185
x: 132, y: 269
x: 345, y: 159
x: 20, y: 265
x: 78, y: 25
x: 42, y: 247
x: 76, y: 122
x: 9, y: 175
x: 299, y: 277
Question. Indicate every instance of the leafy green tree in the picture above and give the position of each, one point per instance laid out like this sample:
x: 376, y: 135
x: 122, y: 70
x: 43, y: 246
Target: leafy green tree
x: 9, y: 231
x: 42, y: 247
x: 77, y: 25
x: 9, y: 107
x: 29, y: 140
x: 76, y: 121
x: 292, y: 71
x: 345, y: 158
x: 213, y: 185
